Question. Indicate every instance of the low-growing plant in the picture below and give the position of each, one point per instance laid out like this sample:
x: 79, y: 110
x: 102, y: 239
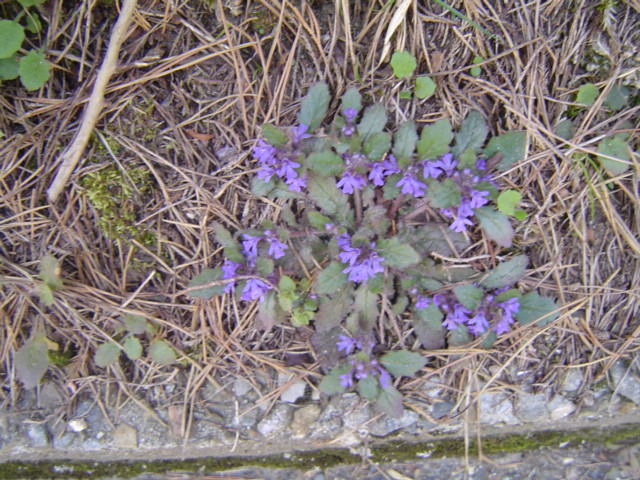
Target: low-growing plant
x: 32, y: 67
x: 370, y: 214
x: 404, y: 65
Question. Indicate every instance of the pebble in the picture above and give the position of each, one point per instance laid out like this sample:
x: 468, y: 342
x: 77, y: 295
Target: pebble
x: 241, y: 387
x: 386, y: 425
x: 496, y: 407
x: 38, y: 435
x: 303, y: 420
x: 77, y: 425
x: 64, y: 441
x: 559, y: 407
x: 294, y: 392
x: 276, y: 421
x: 125, y: 436
x: 572, y: 381
x: 532, y: 407
x: 625, y: 382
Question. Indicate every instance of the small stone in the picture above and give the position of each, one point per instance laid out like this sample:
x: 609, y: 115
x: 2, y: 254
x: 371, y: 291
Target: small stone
x: 77, y: 425
x: 387, y: 425
x: 246, y: 418
x: 64, y: 441
x: 559, y: 407
x: 38, y: 435
x: 532, y: 407
x: 442, y: 408
x: 303, y: 418
x: 49, y: 396
x: 357, y: 416
x: 572, y: 381
x: 241, y: 387
x: 276, y: 421
x: 294, y: 392
x: 125, y: 436
x: 625, y: 382
x: 496, y: 407
x: 432, y: 387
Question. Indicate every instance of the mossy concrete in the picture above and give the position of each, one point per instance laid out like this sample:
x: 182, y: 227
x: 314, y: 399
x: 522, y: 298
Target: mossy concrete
x: 394, y: 450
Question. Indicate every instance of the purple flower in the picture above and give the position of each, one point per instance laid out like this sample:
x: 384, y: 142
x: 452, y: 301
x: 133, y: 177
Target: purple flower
x: 299, y: 133
x: 366, y: 269
x: 351, y: 181
x: 348, y: 130
x: 478, y: 198
x: 346, y: 380
x: 447, y: 164
x: 276, y: 247
x: 297, y: 184
x: 422, y: 302
x: 460, y: 224
x: 346, y: 344
x: 411, y: 185
x: 459, y: 315
x: 255, y: 289
x: 385, y: 378
x: 350, y: 114
x: 478, y: 324
x: 464, y: 210
x: 265, y: 153
x: 481, y: 164
x: 349, y: 254
x: 361, y: 371
x: 287, y: 168
x: 379, y: 170
x: 431, y: 168
x: 229, y: 270
x: 250, y: 245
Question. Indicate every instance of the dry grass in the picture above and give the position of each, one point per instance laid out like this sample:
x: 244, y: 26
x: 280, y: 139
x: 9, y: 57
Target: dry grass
x: 186, y: 103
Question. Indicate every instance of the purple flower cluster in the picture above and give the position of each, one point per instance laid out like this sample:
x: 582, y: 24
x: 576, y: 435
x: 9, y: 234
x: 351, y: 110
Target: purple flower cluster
x: 254, y: 288
x: 476, y: 320
x: 275, y: 247
x: 361, y: 365
x: 281, y: 161
x: 363, y: 262
x: 349, y: 115
x: 352, y: 179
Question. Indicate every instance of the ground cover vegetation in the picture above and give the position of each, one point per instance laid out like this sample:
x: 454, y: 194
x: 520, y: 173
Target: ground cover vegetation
x: 372, y: 193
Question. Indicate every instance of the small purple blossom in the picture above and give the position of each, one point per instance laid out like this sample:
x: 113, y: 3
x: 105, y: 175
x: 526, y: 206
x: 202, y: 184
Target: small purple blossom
x: 411, y: 185
x: 384, y: 378
x: 346, y: 380
x: 351, y: 181
x: 346, y: 344
x: 478, y: 198
x: 255, y: 289
x: 229, y: 270
x: 250, y: 244
x: 297, y: 184
x: 478, y: 324
x: 380, y: 170
x: 432, y: 168
x: 349, y: 114
x: 423, y: 302
x: 460, y: 224
x: 299, y: 133
x: 448, y: 164
x: 276, y: 247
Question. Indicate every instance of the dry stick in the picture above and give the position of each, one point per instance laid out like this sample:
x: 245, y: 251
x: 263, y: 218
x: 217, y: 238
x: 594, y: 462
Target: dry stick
x: 71, y: 156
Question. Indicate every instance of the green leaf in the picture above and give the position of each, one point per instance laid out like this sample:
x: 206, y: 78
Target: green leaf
x: 208, y: 275
x: 260, y: 188
x: 366, y: 306
x: 405, y: 139
x: 34, y: 25
x: 274, y: 135
x: 396, y: 254
x: 135, y: 324
x: 11, y: 38
x: 234, y: 255
x: 472, y: 134
x: 132, y: 347
x: 430, y: 332
x: 368, y: 388
x: 326, y: 195
x: 402, y: 362
x: 269, y: 312
x: 444, y: 194
x: 373, y: 121
x: 106, y: 354
x: 327, y: 164
x: 30, y: 3
x: 425, y: 87
x: 587, y: 94
x: 34, y: 70
x: 32, y: 361
x: 565, y: 129
x: 507, y: 273
x: 317, y: 220
x: 331, y: 279
x: 286, y: 284
x: 45, y: 294
x: 223, y: 237
x: 496, y: 225
x: 351, y: 99
x: 405, y: 95
x: 49, y: 272
x: 617, y: 97
x: 468, y: 295
x: 508, y: 200
x: 264, y: 266
x: 460, y: 336
x: 162, y: 353
x: 403, y: 64
x: 535, y: 308
x: 313, y: 107
x: 376, y: 146
x: 301, y: 317
x: 476, y: 71
x: 332, y: 309
x: 390, y: 402
x: 330, y: 384
x: 617, y: 148
x: 511, y: 145
x: 9, y: 68
x: 435, y: 139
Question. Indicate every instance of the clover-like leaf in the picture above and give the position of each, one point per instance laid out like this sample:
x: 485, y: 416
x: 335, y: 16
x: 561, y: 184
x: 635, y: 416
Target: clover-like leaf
x: 396, y: 254
x: 326, y: 163
x: 135, y: 324
x: 208, y: 275
x: 11, y: 38
x: 132, y: 347
x: 31, y: 361
x: 587, y: 94
x: 508, y: 200
x: 510, y: 145
x: 34, y: 70
x: 472, y: 134
x: 390, y: 402
x: 403, y: 64
x: 617, y: 97
x: 507, y: 273
x: 468, y: 295
x: 435, y: 139
x: 331, y: 279
x: 496, y: 225
x: 313, y: 107
x: 536, y: 308
x: 565, y: 129
x: 49, y: 272
x: 617, y: 148
x: 107, y: 354
x: 476, y: 71
x: 9, y: 68
x: 162, y: 353
x: 405, y: 139
x: 402, y: 362
x: 425, y: 87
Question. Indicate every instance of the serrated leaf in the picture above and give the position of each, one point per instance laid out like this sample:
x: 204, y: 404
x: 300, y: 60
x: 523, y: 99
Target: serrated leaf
x: 330, y: 384
x: 434, y: 237
x: 269, y: 312
x: 223, y: 236
x: 135, y: 324
x: 536, y: 308
x: 327, y: 164
x: 34, y: 70
x: 460, y: 336
x: 331, y: 279
x: 425, y: 87
x: 260, y: 188
x: 435, y: 139
x: 444, y: 194
x: 617, y: 97
x: 617, y: 148
x: 376, y: 146
x: 49, y: 272
x: 507, y: 273
x: 368, y: 388
x: 274, y: 135
x: 508, y: 200
x: 132, y: 347
x: 565, y: 129
x: 313, y: 107
x: 332, y: 310
x: 286, y: 284
x: 351, y: 99
x: 390, y: 402
x: 106, y: 354
x: 587, y: 94
x: 431, y: 337
x: 495, y: 225
x: 373, y: 121
x: 403, y: 64
x: 9, y: 68
x: 468, y: 295
x: 32, y: 361
x: 402, y: 362
x: 405, y: 139
x: 396, y: 254
x: 317, y: 220
x: 326, y: 195
x: 162, y: 353
x: 511, y: 145
x: 365, y: 304
x: 208, y: 275
x: 472, y: 134
x: 11, y: 38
